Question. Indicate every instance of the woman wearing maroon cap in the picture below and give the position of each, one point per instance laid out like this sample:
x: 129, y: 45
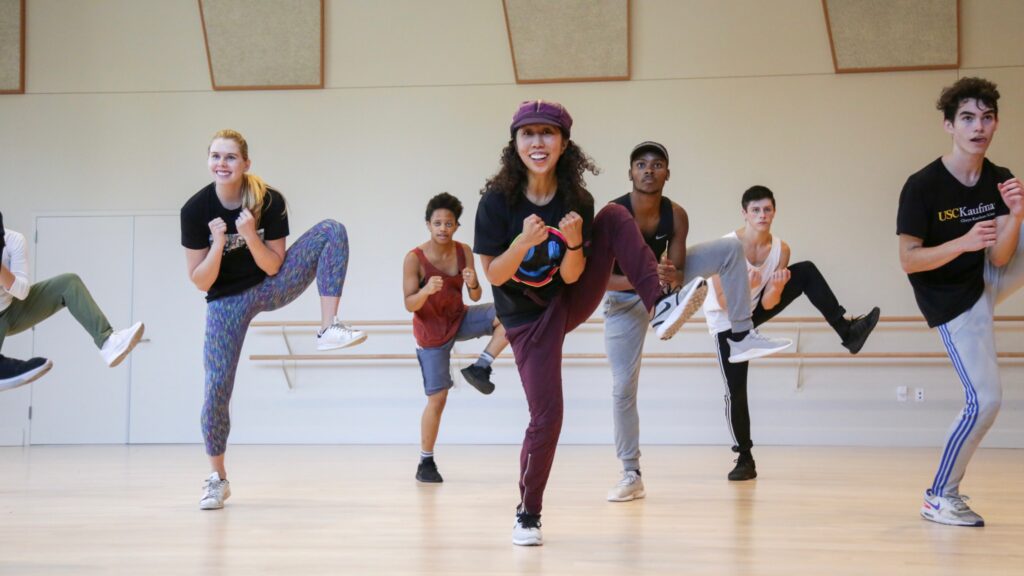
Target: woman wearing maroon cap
x: 549, y: 259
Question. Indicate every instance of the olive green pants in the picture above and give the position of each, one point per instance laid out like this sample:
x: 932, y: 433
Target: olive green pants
x: 48, y: 297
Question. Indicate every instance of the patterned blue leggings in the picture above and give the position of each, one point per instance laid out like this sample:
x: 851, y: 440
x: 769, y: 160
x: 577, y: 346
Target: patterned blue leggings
x: 322, y: 252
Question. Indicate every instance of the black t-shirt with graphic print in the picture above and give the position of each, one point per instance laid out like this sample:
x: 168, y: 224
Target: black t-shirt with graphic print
x: 238, y: 269
x: 937, y: 208
x: 523, y: 299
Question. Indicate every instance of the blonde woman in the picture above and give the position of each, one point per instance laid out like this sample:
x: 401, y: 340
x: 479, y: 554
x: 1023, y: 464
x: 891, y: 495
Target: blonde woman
x: 233, y: 231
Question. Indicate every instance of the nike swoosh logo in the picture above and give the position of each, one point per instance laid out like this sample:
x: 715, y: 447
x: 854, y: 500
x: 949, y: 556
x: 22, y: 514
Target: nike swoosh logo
x: 665, y: 308
x: 662, y: 237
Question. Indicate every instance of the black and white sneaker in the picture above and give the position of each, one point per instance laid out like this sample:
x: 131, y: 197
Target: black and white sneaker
x: 675, y: 308
x: 479, y: 377
x: 14, y: 372
x: 427, y: 472
x: 526, y: 531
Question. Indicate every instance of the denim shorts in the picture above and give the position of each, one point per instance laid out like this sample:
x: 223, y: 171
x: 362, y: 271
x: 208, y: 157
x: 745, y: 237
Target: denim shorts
x: 435, y: 363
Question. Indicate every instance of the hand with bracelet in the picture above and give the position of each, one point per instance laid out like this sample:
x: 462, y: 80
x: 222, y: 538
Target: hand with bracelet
x: 470, y: 278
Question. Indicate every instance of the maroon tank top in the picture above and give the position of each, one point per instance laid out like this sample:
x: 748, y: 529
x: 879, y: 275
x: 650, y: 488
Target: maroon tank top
x: 441, y: 315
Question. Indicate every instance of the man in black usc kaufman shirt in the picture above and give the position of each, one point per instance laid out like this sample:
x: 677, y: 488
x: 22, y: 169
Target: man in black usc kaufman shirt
x: 959, y: 226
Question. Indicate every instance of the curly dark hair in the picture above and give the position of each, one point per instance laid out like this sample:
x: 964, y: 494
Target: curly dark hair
x: 444, y: 201
x: 971, y: 88
x: 512, y: 176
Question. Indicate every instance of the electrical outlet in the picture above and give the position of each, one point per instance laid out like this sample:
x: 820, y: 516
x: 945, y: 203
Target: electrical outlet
x: 901, y: 393
x: 918, y: 394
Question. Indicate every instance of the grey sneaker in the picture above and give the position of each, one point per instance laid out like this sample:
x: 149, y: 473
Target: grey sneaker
x: 951, y: 510
x: 215, y: 492
x: 754, y: 345
x: 675, y: 308
x: 631, y: 487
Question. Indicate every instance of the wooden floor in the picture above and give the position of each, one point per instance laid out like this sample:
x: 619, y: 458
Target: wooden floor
x: 310, y: 510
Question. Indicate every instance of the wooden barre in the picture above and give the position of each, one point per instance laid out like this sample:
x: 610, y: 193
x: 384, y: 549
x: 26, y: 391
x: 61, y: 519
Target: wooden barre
x: 778, y: 320
x: 645, y: 356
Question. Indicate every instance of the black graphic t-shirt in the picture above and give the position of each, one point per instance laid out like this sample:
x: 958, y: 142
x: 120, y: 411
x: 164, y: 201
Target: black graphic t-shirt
x: 238, y: 269
x: 538, y: 281
x: 937, y: 208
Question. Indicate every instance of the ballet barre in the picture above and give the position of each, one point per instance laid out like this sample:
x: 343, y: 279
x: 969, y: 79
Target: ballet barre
x: 799, y: 357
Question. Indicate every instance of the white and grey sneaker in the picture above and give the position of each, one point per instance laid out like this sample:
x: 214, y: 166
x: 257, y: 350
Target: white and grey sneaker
x: 526, y: 530
x: 755, y: 345
x: 675, y: 308
x: 631, y: 487
x: 338, y: 335
x: 120, y: 343
x: 215, y: 492
x: 951, y: 510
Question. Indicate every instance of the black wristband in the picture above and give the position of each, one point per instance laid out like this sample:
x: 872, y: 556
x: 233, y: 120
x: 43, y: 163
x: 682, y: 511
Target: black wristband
x: 577, y: 247
x: 473, y: 287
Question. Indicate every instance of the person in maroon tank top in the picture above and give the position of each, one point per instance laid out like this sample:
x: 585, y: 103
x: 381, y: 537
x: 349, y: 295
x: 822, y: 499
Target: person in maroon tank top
x: 434, y: 275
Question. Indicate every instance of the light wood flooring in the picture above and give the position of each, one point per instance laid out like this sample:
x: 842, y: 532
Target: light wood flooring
x: 310, y: 510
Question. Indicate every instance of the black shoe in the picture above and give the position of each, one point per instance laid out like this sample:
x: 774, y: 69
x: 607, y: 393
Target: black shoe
x: 14, y: 372
x: 479, y: 378
x: 744, y: 470
x: 427, y: 472
x: 858, y: 330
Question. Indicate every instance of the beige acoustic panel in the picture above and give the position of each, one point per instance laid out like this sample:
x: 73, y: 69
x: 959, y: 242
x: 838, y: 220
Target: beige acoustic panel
x: 12, y: 46
x: 264, y: 44
x: 881, y: 35
x: 568, y: 40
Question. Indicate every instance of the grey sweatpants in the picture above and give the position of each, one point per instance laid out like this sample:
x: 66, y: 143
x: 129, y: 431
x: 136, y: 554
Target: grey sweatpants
x: 970, y: 342
x: 626, y: 321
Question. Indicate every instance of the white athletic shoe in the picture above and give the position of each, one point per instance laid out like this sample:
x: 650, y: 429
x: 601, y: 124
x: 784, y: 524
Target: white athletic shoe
x: 338, y: 335
x: 526, y: 530
x: 120, y: 343
x: 951, y: 510
x: 631, y: 487
x: 675, y: 308
x: 215, y: 492
x: 754, y: 345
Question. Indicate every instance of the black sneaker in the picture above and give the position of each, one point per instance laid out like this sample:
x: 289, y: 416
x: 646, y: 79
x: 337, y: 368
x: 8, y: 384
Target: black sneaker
x: 744, y: 470
x: 14, y: 372
x: 479, y: 378
x: 427, y: 472
x: 858, y: 330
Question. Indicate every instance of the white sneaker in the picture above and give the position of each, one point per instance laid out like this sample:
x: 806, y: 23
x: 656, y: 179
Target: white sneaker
x: 754, y: 345
x: 677, y: 307
x: 526, y: 530
x: 631, y: 487
x: 951, y: 510
x: 120, y: 343
x: 215, y: 493
x: 338, y: 335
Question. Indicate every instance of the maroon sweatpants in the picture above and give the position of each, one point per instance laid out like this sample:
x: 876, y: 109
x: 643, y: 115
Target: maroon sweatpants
x: 538, y: 345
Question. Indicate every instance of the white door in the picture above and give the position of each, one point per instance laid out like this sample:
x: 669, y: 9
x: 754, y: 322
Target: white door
x: 82, y: 401
x: 167, y: 367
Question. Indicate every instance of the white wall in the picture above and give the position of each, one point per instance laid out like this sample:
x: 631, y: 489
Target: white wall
x: 118, y: 112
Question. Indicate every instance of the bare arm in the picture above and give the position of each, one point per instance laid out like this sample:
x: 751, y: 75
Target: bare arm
x: 574, y: 262
x: 268, y: 255
x: 499, y: 269
x: 777, y: 282
x: 471, y: 280
x: 677, y: 247
x: 415, y: 296
x: 204, y: 265
x: 1008, y: 226
x: 915, y: 257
